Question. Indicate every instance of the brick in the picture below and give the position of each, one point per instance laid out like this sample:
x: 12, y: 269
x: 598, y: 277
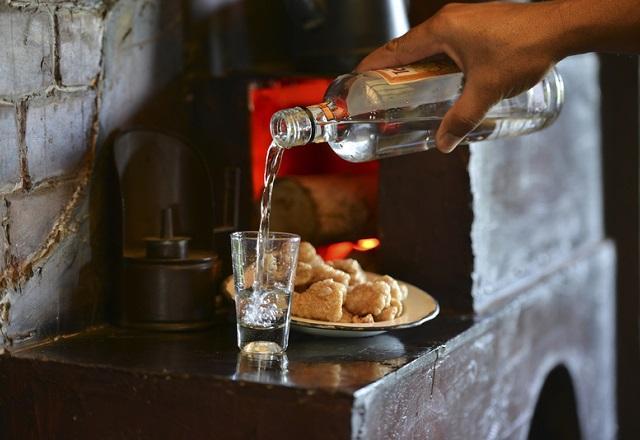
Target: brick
x: 58, y: 133
x: 31, y: 217
x: 86, y: 4
x: 9, y: 158
x: 4, y: 246
x: 143, y: 55
x: 56, y: 298
x: 80, y: 40
x: 26, y: 56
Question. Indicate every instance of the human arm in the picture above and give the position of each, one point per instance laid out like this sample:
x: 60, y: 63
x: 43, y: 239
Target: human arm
x: 506, y: 48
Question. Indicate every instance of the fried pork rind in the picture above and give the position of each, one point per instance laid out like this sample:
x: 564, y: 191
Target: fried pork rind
x: 322, y: 300
x: 304, y: 273
x: 352, y: 267
x: 367, y: 319
x: 387, y: 314
x: 307, y: 254
x: 346, y: 316
x: 395, y: 302
x: 338, y: 291
x: 396, y: 290
x: 368, y: 298
x: 324, y: 272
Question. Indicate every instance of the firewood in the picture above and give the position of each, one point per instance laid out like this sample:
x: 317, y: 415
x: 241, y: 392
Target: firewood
x: 325, y: 208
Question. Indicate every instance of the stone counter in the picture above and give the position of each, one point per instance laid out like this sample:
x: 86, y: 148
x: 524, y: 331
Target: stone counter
x: 453, y: 377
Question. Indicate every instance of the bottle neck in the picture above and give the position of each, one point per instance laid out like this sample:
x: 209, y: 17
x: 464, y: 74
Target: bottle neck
x: 300, y: 125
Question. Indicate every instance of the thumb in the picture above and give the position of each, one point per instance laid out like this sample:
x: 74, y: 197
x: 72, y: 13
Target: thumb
x: 465, y: 115
x: 415, y: 45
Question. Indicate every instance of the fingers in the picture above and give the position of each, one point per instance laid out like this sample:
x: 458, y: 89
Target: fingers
x: 465, y: 115
x: 415, y: 45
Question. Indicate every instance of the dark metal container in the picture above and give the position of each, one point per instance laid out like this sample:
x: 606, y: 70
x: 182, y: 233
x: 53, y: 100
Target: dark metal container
x: 168, y: 267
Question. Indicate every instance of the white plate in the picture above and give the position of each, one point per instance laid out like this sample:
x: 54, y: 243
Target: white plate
x: 419, y: 307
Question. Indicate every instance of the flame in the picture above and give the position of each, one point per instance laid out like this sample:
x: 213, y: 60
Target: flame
x: 337, y: 251
x: 341, y: 250
x: 366, y: 244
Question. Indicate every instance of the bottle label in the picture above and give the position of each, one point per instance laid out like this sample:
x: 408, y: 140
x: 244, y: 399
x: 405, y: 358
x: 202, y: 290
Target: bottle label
x: 331, y: 111
x: 327, y: 111
x: 417, y: 72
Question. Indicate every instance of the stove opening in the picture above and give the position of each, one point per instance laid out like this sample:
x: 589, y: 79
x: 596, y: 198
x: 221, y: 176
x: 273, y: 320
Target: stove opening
x: 328, y: 201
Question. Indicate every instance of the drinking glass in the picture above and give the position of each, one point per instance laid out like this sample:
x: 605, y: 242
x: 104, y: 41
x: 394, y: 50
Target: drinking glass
x: 263, y: 310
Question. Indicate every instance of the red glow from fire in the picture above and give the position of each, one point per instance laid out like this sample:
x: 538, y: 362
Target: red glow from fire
x: 341, y: 250
x: 336, y: 251
x: 266, y: 100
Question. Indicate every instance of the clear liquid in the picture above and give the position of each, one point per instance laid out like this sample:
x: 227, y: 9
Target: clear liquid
x: 262, y: 320
x: 261, y: 311
x: 271, y: 168
x: 360, y: 139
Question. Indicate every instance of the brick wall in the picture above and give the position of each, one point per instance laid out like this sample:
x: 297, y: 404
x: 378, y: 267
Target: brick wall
x: 71, y: 74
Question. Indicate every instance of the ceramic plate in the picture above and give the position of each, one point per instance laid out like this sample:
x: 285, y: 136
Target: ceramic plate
x: 419, y: 307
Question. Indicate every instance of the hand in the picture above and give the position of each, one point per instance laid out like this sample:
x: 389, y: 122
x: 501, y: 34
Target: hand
x: 502, y: 48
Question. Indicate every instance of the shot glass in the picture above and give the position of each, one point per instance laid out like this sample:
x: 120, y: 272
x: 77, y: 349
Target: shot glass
x: 263, y: 309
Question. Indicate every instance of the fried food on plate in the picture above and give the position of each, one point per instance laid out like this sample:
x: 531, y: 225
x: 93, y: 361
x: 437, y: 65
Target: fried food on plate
x: 367, y: 319
x: 368, y: 298
x: 387, y: 314
x: 338, y: 291
x: 395, y: 302
x: 346, y: 315
x: 322, y: 300
x: 304, y: 273
x: 352, y: 267
x: 324, y: 272
x: 307, y: 254
x: 396, y: 291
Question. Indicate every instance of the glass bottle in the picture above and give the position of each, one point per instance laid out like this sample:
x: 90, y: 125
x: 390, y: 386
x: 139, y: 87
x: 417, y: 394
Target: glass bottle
x: 396, y: 111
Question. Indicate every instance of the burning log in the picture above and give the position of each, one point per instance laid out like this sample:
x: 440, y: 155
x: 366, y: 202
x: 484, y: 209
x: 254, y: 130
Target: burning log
x: 325, y: 208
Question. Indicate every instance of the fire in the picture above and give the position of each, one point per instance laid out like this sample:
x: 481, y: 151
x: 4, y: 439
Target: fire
x: 338, y: 251
x: 366, y: 244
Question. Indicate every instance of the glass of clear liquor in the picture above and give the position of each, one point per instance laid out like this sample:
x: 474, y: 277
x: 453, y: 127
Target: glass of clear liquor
x: 263, y: 270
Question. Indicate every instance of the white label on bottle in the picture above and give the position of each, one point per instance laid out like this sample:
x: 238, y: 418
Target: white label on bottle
x: 417, y: 71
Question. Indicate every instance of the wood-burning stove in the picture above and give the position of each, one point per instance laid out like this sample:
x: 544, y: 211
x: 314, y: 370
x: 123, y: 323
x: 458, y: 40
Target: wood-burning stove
x: 506, y: 235
x: 510, y: 234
